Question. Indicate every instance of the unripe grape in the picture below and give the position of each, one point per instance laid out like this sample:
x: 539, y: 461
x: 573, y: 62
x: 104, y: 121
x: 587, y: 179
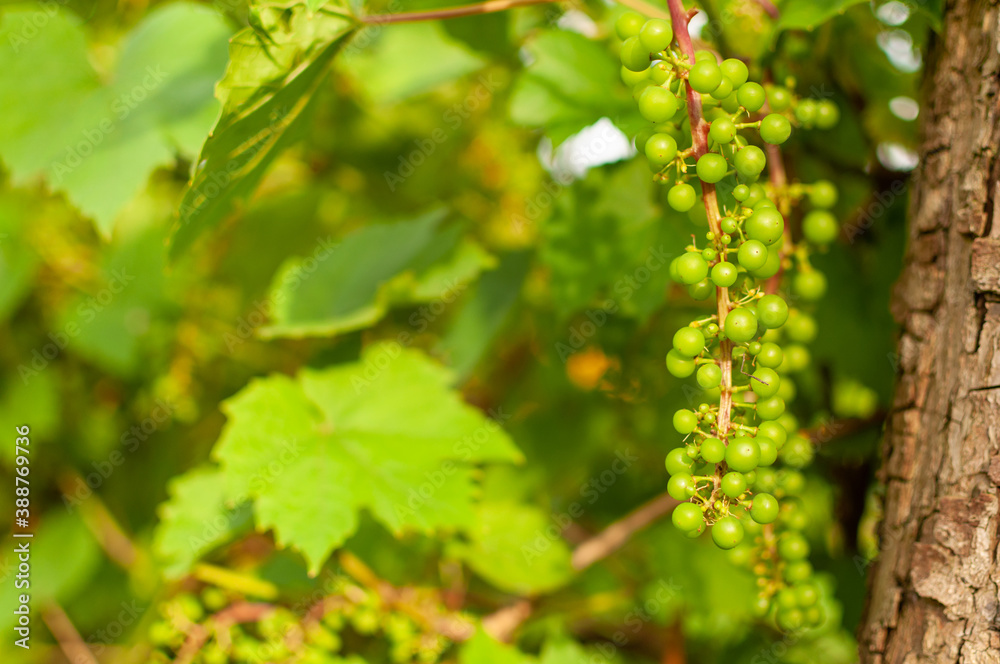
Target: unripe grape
x: 823, y: 194
x: 775, y: 129
x: 713, y: 450
x: 727, y: 532
x: 792, y: 546
x: 703, y: 54
x: 751, y: 96
x: 660, y: 149
x: 797, y: 452
x: 728, y: 224
x: 820, y: 227
x: 641, y: 87
x: 659, y: 73
x: 724, y: 274
x: 765, y: 225
x: 657, y: 104
x: 772, y: 311
x: 677, y: 462
x: 801, y: 328
x: 711, y: 167
x: 723, y: 90
x: 765, y: 382
x: 682, y: 197
x: 799, y: 570
x: 806, y: 594
x: 735, y: 71
x: 701, y: 290
x: 764, y: 509
x: 741, y: 192
x: 687, y: 517
x: 778, y: 98
x: 805, y: 112
x: 629, y: 24
x: 827, y: 114
x: 689, y: 341
x: 774, y: 432
x: 789, y: 620
x: 685, y: 421
x: 656, y: 35
x: 770, y: 267
x: 768, y: 451
x: 679, y: 366
x: 810, y: 285
x: 741, y: 325
x: 752, y: 254
x: 692, y: 268
x: 722, y: 131
x: 731, y: 104
x: 743, y: 454
x: 771, y: 355
x: 705, y: 76
x: 632, y: 78
x: 733, y: 484
x: 634, y: 55
x: 749, y: 162
x: 679, y: 485
x: 771, y: 408
x: 709, y: 376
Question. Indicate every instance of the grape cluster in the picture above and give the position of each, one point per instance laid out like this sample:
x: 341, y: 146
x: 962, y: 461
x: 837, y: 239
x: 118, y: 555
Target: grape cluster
x: 727, y: 475
x: 354, y: 614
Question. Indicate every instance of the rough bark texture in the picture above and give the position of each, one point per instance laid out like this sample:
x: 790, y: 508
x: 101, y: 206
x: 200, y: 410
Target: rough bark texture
x: 934, y: 589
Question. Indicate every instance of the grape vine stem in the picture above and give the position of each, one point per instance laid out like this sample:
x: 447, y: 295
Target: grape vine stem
x: 490, y: 7
x: 67, y: 636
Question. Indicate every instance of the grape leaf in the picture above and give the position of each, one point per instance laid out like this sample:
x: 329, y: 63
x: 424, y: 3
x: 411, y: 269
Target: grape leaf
x: 808, y: 14
x: 381, y: 265
x: 385, y: 433
x: 512, y: 546
x: 99, y: 142
x: 275, y: 68
x: 195, y: 519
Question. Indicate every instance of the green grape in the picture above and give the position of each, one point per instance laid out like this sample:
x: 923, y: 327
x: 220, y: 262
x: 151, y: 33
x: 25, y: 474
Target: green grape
x: 743, y: 454
x: 709, y: 254
x: 765, y: 225
x: 722, y: 131
x: 761, y: 606
x: 705, y: 76
x: 659, y: 73
x: 778, y: 98
x: 660, y: 149
x: 632, y: 78
x: 703, y: 54
x: 820, y: 227
x: 733, y: 484
x: 727, y: 532
x: 751, y: 96
x: 687, y: 517
x: 634, y: 55
x: 711, y: 331
x: 806, y: 594
x: 731, y: 104
x: 765, y: 382
x: 815, y: 616
x: 796, y: 571
x: 771, y: 355
x: 741, y: 192
x: 823, y: 194
x: 724, y: 274
x: 629, y: 24
x: 752, y: 254
x: 656, y: 35
x: 724, y: 89
x: 797, y: 452
x: 800, y: 328
x: 679, y: 485
x: 682, y: 197
x: 657, y: 104
x: 749, y: 162
x: 805, y: 112
x: 728, y: 225
x: 757, y: 194
x: 827, y: 114
x: 792, y: 546
x: 789, y: 620
x: 768, y: 451
x: 764, y: 509
x: 735, y: 71
x: 709, y: 376
x: 767, y: 480
x: 713, y: 450
x: 712, y: 167
x: 754, y: 347
x: 770, y: 409
x: 772, y: 311
x: 741, y: 325
x: 770, y: 267
x: 689, y: 341
x: 679, y: 366
x: 809, y: 285
x: 773, y: 431
x: 692, y: 268
x: 641, y: 87
x: 788, y: 390
x: 775, y: 129
x: 701, y: 290
x: 678, y: 462
x: 685, y: 421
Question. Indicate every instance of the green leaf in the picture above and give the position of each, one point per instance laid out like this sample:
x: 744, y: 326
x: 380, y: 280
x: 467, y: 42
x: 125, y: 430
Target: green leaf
x: 98, y: 142
x: 511, y: 546
x: 484, y: 649
x: 572, y: 83
x: 809, y: 14
x: 195, y: 519
x: 275, y: 68
x: 354, y: 284
x: 407, y: 60
x: 385, y: 433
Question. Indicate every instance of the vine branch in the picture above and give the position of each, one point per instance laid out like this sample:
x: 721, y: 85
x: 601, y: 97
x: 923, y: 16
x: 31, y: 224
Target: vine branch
x: 488, y: 7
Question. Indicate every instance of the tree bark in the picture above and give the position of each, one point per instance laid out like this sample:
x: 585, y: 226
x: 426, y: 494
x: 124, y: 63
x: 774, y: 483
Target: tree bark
x: 933, y: 592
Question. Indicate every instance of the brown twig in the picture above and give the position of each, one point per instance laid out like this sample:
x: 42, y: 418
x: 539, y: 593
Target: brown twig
x: 101, y: 523
x: 198, y: 634
x: 613, y: 537
x: 66, y: 635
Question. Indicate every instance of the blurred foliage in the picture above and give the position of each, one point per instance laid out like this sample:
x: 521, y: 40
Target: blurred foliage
x: 428, y: 195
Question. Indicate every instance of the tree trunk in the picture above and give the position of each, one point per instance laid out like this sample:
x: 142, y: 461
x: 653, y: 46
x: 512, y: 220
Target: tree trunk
x: 933, y: 592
